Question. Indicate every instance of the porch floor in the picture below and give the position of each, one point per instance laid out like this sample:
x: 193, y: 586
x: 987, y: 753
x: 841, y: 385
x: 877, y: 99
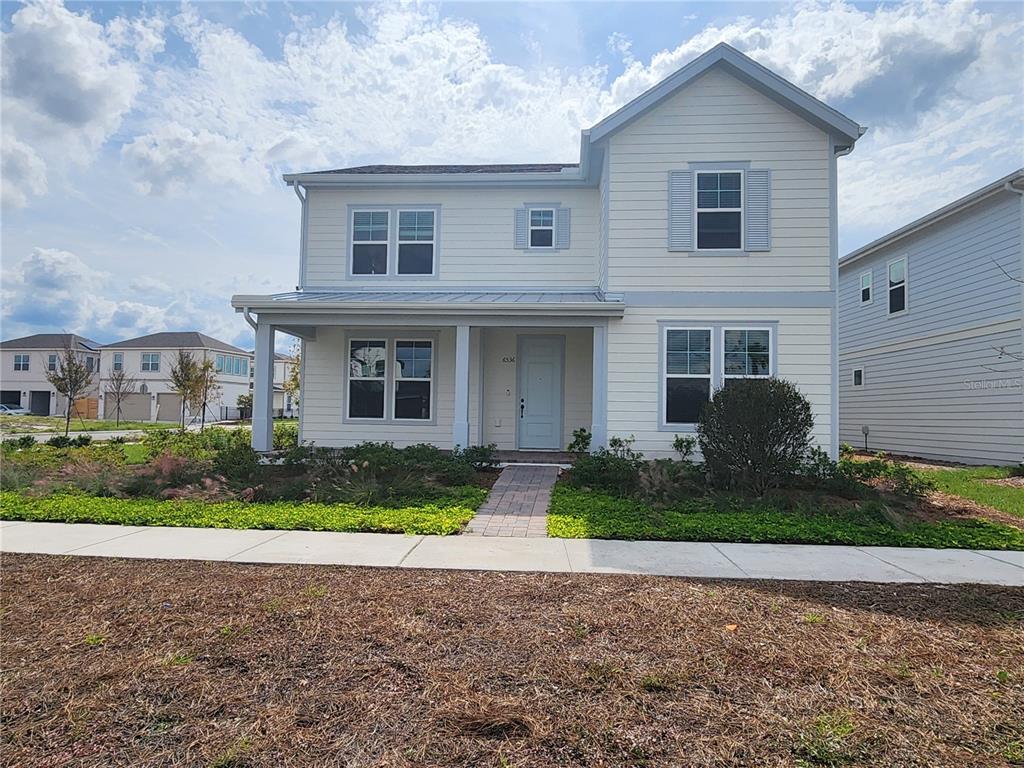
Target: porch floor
x: 534, y: 457
x: 517, y: 505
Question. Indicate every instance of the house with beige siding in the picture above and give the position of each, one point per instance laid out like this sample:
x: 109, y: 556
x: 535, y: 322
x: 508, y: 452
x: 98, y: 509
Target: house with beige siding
x: 931, y: 353
x: 693, y: 243
x: 24, y: 363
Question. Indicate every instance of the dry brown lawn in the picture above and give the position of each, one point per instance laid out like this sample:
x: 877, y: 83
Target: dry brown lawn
x: 144, y: 663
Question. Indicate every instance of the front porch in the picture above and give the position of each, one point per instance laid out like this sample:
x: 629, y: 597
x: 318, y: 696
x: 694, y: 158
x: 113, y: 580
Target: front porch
x: 520, y: 371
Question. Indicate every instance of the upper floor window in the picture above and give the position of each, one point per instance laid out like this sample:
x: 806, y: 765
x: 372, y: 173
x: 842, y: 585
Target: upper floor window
x: 719, y: 210
x: 865, y: 288
x: 542, y: 227
x: 21, y: 362
x: 898, y: 285
x: 416, y: 242
x: 90, y: 364
x: 118, y: 361
x: 370, y: 242
x: 151, y: 361
x: 218, y: 364
x: 858, y: 377
x: 51, y: 362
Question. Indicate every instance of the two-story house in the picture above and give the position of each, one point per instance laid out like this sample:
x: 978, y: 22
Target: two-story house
x: 149, y: 360
x: 24, y: 363
x: 931, y: 344
x: 693, y: 243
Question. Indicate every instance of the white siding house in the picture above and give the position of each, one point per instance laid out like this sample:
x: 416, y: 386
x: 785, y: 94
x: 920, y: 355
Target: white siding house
x: 931, y: 344
x: 24, y: 363
x: 693, y: 242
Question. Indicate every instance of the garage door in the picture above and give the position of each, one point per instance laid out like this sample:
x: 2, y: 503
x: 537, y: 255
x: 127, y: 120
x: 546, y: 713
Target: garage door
x: 11, y: 397
x: 168, y: 407
x: 134, y: 407
x: 39, y: 403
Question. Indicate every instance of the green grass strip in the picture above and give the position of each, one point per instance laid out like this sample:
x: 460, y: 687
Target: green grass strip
x: 970, y: 484
x: 440, y: 516
x: 578, y: 514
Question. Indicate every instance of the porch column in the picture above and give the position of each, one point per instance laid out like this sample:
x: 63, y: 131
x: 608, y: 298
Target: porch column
x: 460, y: 423
x: 263, y: 389
x: 599, y: 395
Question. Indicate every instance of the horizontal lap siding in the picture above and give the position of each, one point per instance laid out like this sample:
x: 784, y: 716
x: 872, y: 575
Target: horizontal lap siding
x: 717, y: 118
x: 476, y: 238
x: 804, y: 357
x: 954, y: 400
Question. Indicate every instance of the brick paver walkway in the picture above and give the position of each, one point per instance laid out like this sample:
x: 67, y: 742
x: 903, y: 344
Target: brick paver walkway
x: 517, y: 505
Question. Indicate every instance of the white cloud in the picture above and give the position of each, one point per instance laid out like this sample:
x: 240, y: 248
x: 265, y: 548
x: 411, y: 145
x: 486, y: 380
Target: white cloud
x: 23, y: 173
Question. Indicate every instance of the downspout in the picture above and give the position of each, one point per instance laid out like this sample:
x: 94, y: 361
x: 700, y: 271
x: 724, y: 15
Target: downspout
x: 248, y: 318
x: 303, y: 196
x: 837, y: 152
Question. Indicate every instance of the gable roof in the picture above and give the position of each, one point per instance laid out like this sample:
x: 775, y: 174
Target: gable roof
x: 1016, y: 179
x: 175, y: 340
x: 586, y: 172
x: 52, y: 341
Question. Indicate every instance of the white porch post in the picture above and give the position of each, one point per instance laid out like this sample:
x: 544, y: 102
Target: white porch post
x: 263, y: 389
x: 460, y: 424
x: 599, y: 396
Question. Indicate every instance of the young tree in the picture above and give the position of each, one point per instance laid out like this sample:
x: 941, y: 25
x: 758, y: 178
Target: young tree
x: 184, y: 376
x: 119, y: 386
x: 244, y: 403
x: 207, y: 387
x: 71, y: 379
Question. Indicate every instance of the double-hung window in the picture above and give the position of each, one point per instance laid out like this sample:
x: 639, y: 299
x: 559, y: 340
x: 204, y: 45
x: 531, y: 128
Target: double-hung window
x: 719, y: 210
x: 118, y: 364
x: 21, y: 362
x: 687, y: 373
x: 542, y: 227
x: 746, y: 354
x: 51, y: 362
x: 416, y: 242
x: 413, y: 372
x: 150, y: 361
x: 370, y: 232
x: 865, y: 288
x: 898, y: 285
x: 367, y: 373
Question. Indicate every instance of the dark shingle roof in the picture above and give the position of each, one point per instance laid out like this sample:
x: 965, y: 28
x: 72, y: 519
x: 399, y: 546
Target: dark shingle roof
x: 175, y: 340
x: 51, y: 341
x: 411, y: 169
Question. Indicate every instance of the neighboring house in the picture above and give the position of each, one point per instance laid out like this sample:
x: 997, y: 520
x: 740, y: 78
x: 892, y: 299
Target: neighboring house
x: 693, y: 243
x: 25, y: 362
x: 149, y: 359
x: 931, y: 336
x: 285, y: 404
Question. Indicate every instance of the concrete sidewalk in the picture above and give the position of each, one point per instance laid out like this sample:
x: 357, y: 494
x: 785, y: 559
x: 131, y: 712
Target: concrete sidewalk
x: 727, y: 561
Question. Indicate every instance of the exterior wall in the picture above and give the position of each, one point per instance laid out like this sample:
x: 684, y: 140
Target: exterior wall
x: 803, y: 357
x: 934, y: 382
x: 475, y: 244
x: 718, y: 119
x: 34, y: 379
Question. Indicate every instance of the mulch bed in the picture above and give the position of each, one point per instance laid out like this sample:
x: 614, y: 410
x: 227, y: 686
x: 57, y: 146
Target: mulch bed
x: 118, y: 662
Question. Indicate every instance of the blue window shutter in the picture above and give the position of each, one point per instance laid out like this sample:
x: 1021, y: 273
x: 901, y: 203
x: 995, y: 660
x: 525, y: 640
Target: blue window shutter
x: 758, y: 210
x: 680, y: 210
x: 520, y: 236
x: 562, y: 228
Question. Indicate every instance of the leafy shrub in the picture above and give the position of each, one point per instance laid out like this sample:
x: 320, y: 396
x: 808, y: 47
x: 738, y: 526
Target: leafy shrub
x: 755, y: 433
x: 894, y: 476
x: 118, y: 440
x: 1017, y: 471
x: 615, y: 469
x: 581, y: 439
x: 684, y: 445
x: 662, y: 482
x: 238, y: 463
x: 285, y: 436
x: 479, y: 457
x: 80, y: 441
x: 59, y: 441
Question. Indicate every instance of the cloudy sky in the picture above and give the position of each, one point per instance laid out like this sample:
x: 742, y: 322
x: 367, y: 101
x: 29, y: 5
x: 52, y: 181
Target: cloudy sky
x: 143, y: 143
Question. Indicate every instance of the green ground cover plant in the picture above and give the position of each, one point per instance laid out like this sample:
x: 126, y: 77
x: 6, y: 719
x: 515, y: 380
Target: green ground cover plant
x: 971, y: 483
x: 18, y: 424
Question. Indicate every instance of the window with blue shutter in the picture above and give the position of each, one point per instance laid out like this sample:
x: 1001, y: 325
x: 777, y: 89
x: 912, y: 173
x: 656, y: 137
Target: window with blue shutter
x: 680, y: 210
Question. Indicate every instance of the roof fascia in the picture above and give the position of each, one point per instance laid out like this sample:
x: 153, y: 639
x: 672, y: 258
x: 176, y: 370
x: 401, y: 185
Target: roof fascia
x: 388, y: 180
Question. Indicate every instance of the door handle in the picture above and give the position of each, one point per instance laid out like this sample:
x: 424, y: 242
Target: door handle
x: 522, y: 406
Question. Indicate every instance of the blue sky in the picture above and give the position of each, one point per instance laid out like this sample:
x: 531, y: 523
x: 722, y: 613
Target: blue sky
x: 143, y: 143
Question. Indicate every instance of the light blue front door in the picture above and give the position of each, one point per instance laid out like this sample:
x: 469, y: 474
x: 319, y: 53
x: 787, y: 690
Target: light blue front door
x: 539, y: 364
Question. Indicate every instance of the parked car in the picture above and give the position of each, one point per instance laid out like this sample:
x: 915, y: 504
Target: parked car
x: 13, y: 410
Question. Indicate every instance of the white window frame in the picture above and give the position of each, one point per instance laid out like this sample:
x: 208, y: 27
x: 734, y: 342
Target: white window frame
x: 22, y: 362
x: 530, y: 228
x: 870, y: 288
x: 771, y: 352
x: 665, y: 375
x: 906, y: 286
x: 392, y: 363
x: 51, y: 362
x: 117, y: 364
x: 697, y: 210
x: 352, y: 242
x: 372, y: 338
x: 148, y: 360
x: 398, y: 242
x: 853, y: 377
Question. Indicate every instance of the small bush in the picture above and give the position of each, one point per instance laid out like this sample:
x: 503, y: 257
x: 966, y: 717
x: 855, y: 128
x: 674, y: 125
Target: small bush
x: 479, y: 457
x: 285, y: 436
x: 1017, y: 471
x: 238, y: 463
x: 894, y: 476
x: 81, y: 441
x: 615, y: 469
x: 663, y: 481
x: 24, y: 442
x: 581, y: 439
x: 755, y: 433
x: 118, y: 440
x: 59, y: 441
x: 684, y: 445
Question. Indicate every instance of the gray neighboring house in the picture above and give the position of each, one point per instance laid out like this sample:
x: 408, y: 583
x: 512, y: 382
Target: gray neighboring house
x: 930, y: 333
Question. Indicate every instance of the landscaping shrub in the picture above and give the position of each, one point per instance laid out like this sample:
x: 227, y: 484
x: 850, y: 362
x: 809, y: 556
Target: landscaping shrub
x: 80, y: 441
x: 1017, y: 471
x: 684, y: 445
x: 615, y: 469
x: 581, y: 439
x: 24, y: 441
x: 59, y: 441
x: 238, y: 463
x: 663, y: 482
x: 479, y: 457
x: 891, y: 475
x: 755, y: 433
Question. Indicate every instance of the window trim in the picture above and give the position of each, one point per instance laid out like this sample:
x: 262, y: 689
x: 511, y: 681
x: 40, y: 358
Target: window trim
x: 22, y: 359
x: 117, y: 362
x: 853, y: 377
x: 393, y: 359
x: 352, y: 242
x: 51, y: 362
x: 389, y: 337
x: 143, y: 362
x: 697, y: 210
x: 393, y: 210
x: 530, y: 227
x: 906, y: 286
x: 870, y: 286
x: 398, y: 241
x: 717, y: 356
x: 664, y: 375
